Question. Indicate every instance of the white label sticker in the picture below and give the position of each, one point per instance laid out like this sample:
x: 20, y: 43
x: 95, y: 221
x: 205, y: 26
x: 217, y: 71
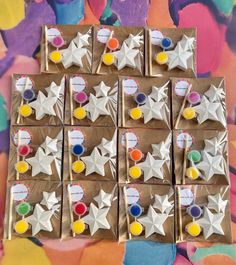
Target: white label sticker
x: 130, y: 86
x: 76, y: 192
x: 186, y: 197
x: 181, y: 88
x: 76, y: 137
x: 22, y: 137
x: 78, y: 83
x: 103, y: 35
x: 19, y: 192
x: 182, y: 138
x: 52, y: 33
x: 156, y: 37
x: 21, y: 84
x: 132, y: 195
x: 131, y: 139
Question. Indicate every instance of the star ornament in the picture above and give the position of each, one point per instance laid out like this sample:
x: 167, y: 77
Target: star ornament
x: 101, y: 89
x: 96, y: 219
x: 54, y: 90
x: 187, y: 43
x: 81, y: 40
x: 134, y: 41
x: 161, y: 150
x: 153, y: 222
x: 159, y: 93
x: 95, y: 163
x: 214, y: 146
x: 43, y: 105
x: 151, y: 168
x: 162, y: 204
x: 103, y: 199
x: 40, y: 163
x: 211, y: 223
x: 40, y: 220
x: 215, y: 94
x: 215, y: 202
x: 125, y: 57
x: 108, y: 147
x: 49, y: 199
x: 50, y: 145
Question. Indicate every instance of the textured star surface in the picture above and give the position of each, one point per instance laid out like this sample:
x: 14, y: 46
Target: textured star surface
x: 49, y: 199
x: 103, y: 199
x: 101, y: 90
x: 162, y: 203
x: 215, y: 202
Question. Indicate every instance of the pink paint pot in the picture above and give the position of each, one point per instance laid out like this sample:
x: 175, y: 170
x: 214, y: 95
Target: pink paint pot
x: 24, y: 150
x: 80, y: 97
x: 194, y: 98
x: 58, y: 42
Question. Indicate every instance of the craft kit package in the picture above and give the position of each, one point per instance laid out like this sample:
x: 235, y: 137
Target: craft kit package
x: 118, y: 50
x: 203, y: 213
x: 90, y: 210
x: 67, y: 48
x: 146, y: 213
x: 38, y: 99
x: 144, y: 102
x: 33, y: 208
x: 170, y: 52
x: 145, y: 156
x: 90, y: 153
x: 199, y: 103
x: 91, y: 101
x: 35, y: 153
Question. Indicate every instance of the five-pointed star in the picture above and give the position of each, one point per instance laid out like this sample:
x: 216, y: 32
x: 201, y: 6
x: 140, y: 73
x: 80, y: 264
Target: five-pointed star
x: 101, y: 89
x: 215, y: 94
x: 96, y: 107
x: 214, y: 146
x: 151, y: 168
x: 152, y: 110
x: 95, y: 163
x: 40, y: 163
x: 43, y: 105
x: 49, y: 199
x: 40, y: 220
x: 108, y: 147
x: 103, y: 199
x: 159, y: 93
x: 73, y: 55
x: 134, y: 41
x: 187, y: 43
x: 210, y: 223
x: 162, y: 150
x: 81, y: 40
x: 162, y: 203
x: 125, y: 56
x: 178, y: 58
x: 49, y: 145
x: 54, y: 90
x: 153, y: 222
x: 216, y: 203
x: 211, y: 165
x: 96, y: 219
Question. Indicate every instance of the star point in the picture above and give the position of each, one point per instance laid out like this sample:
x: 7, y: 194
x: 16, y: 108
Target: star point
x: 162, y: 203
x: 102, y: 89
x: 49, y: 199
x: 103, y: 199
x: 215, y: 202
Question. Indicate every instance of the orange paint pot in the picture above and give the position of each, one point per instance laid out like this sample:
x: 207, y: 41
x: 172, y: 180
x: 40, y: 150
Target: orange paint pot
x: 113, y: 44
x: 136, y: 155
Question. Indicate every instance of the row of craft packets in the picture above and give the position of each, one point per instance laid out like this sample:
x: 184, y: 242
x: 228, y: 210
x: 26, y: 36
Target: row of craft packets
x: 129, y: 155
x: 93, y: 100
x: 102, y: 210
x: 118, y: 50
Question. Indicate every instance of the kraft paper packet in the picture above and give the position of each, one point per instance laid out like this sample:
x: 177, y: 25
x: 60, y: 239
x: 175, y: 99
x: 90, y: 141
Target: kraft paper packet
x: 68, y: 33
x: 196, y: 140
x: 128, y: 87
x: 38, y: 82
x: 142, y: 139
x: 89, y: 190
x: 34, y: 136
x: 101, y: 35
x: 86, y: 82
x: 155, y: 69
x: 200, y: 193
x: 200, y: 85
x: 31, y: 192
x: 89, y: 137
x: 145, y: 199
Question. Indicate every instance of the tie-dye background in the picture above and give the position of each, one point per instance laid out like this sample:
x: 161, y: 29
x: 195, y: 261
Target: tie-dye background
x: 20, y: 23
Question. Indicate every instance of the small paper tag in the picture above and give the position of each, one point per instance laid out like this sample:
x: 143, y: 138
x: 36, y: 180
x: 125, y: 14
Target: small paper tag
x: 76, y: 192
x: 130, y: 86
x: 52, y: 33
x: 132, y: 195
x: 132, y: 139
x: 21, y: 137
x: 156, y: 37
x: 21, y: 83
x: 181, y: 138
x: 186, y: 197
x: 76, y: 137
x: 19, y: 192
x: 103, y: 35
x: 78, y: 83
x: 181, y: 88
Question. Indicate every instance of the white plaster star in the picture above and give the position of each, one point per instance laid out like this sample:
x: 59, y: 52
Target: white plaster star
x: 125, y: 57
x: 40, y: 220
x: 54, y: 90
x: 134, y: 41
x: 103, y: 199
x: 43, y: 105
x: 215, y: 94
x: 95, y: 163
x: 151, y: 167
x: 96, y: 219
x: 215, y: 145
x: 49, y: 145
x: 187, y: 43
x: 40, y: 163
x: 49, y: 199
x: 159, y: 93
x: 215, y: 202
x: 162, y: 203
x: 211, y: 223
x: 162, y: 150
x: 81, y: 40
x: 108, y: 147
x: 101, y: 89
x: 153, y: 222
